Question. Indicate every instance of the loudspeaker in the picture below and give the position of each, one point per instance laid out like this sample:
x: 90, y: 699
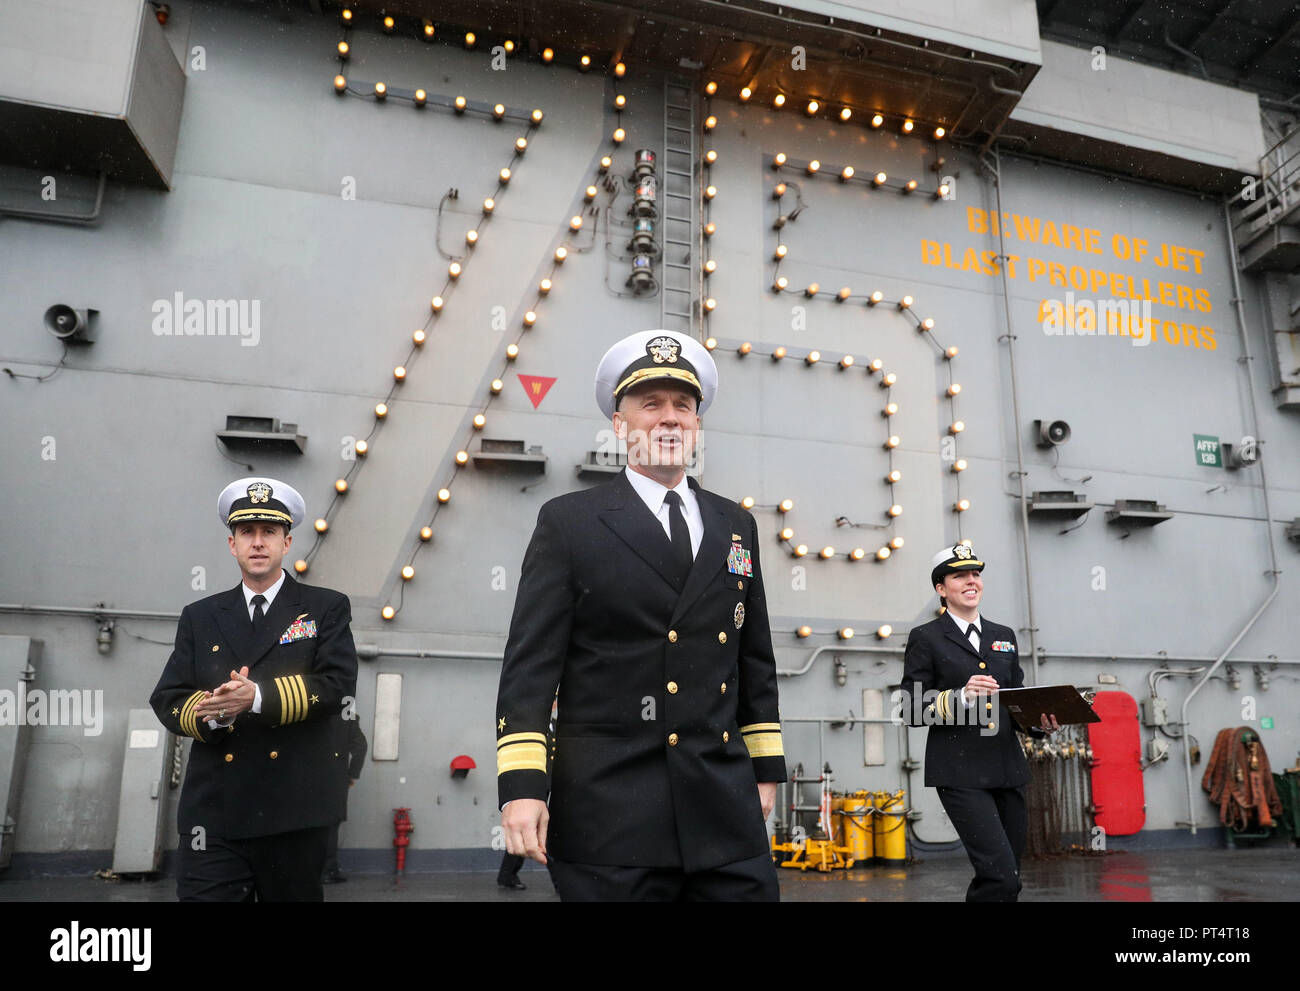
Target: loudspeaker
x: 71, y: 326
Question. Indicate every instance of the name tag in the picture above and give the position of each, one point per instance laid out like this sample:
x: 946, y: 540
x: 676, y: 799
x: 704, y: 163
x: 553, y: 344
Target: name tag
x: 300, y: 630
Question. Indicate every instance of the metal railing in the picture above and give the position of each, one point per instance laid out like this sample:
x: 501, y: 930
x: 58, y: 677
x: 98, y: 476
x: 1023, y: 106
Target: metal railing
x: 1273, y: 199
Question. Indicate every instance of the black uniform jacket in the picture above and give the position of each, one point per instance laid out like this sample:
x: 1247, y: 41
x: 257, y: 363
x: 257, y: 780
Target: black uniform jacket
x: 281, y: 769
x: 962, y: 751
x: 667, y: 710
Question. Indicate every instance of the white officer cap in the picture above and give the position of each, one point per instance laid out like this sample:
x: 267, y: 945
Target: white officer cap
x: 651, y: 355
x: 958, y: 557
x: 260, y: 500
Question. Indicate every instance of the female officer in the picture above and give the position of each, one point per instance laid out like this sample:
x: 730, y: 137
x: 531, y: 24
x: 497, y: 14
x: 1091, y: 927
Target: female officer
x: 952, y: 669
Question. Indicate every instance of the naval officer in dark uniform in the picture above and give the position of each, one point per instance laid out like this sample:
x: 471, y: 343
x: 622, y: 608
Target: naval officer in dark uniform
x: 258, y: 678
x: 952, y: 670
x: 642, y: 601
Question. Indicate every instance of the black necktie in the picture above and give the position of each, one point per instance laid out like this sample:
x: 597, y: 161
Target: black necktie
x: 258, y: 612
x: 975, y: 630
x: 680, y: 533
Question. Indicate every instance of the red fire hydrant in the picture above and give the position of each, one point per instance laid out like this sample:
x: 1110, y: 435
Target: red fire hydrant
x: 403, y: 828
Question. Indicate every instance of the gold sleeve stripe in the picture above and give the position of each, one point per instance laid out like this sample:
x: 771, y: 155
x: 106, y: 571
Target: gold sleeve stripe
x: 284, y: 701
x: 300, y: 691
x: 761, y: 728
x: 522, y: 755
x: 764, y: 744
x: 513, y: 738
x: 293, y: 699
x: 189, y: 723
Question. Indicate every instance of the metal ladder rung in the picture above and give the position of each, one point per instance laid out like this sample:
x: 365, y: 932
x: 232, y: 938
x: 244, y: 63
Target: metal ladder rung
x: 678, y: 279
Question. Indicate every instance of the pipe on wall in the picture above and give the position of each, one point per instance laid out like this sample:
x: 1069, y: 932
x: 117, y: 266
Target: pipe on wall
x: 1032, y: 626
x: 1246, y: 361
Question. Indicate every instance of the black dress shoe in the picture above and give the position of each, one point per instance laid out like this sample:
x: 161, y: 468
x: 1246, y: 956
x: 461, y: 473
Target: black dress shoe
x: 513, y: 882
x: 334, y: 877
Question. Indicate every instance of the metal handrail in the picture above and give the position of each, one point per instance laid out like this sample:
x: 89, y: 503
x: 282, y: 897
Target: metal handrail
x: 1273, y: 197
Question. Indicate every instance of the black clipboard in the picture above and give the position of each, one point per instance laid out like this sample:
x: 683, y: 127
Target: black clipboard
x: 1065, y: 702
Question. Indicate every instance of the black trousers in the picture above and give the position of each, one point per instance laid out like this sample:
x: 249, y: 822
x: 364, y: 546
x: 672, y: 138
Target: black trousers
x: 285, y: 867
x: 992, y: 824
x: 752, y: 880
x: 509, y: 870
x: 331, y: 849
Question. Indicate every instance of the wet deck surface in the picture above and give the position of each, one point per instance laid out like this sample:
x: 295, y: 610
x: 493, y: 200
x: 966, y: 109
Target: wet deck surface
x: 1269, y: 874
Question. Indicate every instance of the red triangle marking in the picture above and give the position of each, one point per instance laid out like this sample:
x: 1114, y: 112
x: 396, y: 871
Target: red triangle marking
x: 536, y: 387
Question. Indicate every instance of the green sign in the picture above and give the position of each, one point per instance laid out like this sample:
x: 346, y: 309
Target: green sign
x: 1266, y: 722
x: 1207, y: 451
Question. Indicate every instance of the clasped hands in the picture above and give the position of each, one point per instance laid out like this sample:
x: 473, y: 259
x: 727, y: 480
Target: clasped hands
x: 983, y: 684
x: 228, y: 700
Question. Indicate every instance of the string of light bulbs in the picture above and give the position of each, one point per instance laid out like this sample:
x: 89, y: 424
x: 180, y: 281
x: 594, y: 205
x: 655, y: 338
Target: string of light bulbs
x: 814, y: 108
x: 812, y: 357
x: 362, y: 447
x: 567, y: 246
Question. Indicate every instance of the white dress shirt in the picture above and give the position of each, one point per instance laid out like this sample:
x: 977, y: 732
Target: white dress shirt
x: 652, y: 494
x: 971, y: 631
x: 269, y: 595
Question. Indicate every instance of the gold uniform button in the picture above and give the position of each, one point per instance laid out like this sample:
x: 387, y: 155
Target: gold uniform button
x: 724, y: 688
x: 672, y: 739
x: 740, y: 586
x: 672, y: 688
x: 988, y: 705
x: 275, y: 754
x: 229, y: 758
x: 722, y: 637
x: 672, y: 636
x: 726, y: 737
x: 990, y: 726
x: 982, y: 665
